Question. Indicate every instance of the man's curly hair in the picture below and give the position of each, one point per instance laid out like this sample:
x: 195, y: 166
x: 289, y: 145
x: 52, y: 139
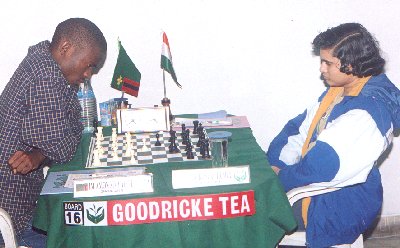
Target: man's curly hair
x: 354, y: 46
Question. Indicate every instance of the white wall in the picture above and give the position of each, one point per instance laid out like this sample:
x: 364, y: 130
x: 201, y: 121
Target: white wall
x: 248, y: 57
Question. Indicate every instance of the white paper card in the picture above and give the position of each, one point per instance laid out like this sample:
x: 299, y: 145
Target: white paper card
x: 204, y: 122
x: 139, y: 120
x: 113, y: 185
x: 109, y: 173
x: 195, y: 178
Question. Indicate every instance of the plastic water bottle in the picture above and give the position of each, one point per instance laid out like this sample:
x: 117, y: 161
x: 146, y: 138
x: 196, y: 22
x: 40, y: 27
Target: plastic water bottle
x: 88, y: 103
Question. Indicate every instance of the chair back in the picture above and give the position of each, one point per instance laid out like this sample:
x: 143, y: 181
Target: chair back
x: 7, y: 230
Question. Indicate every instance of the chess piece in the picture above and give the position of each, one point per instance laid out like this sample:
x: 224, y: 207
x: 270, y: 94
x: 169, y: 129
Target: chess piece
x: 115, y: 151
x: 183, y: 129
x: 99, y: 133
x: 144, y: 147
x: 128, y: 141
x: 189, y: 151
x: 128, y: 151
x: 133, y: 159
x: 115, y: 155
x: 96, y: 158
x: 172, y: 134
x: 185, y: 138
x: 95, y: 125
x: 199, y: 141
x: 201, y: 144
x: 195, y: 126
x: 158, y: 143
x: 173, y: 148
x: 206, y: 149
x: 114, y: 134
x: 166, y: 103
x: 200, y: 129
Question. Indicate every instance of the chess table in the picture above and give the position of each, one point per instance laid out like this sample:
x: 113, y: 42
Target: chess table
x: 152, y: 154
x: 272, y: 219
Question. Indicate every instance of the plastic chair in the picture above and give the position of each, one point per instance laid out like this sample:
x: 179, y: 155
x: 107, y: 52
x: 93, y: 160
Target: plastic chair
x: 7, y: 230
x: 299, y: 238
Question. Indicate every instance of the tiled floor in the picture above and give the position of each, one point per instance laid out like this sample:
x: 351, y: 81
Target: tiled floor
x: 388, y: 242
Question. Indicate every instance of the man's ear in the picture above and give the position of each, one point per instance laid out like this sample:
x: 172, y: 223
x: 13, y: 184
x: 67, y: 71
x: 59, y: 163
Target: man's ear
x: 349, y: 69
x: 64, y: 47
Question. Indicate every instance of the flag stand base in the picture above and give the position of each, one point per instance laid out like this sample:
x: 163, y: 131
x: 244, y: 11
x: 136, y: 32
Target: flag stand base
x: 166, y: 103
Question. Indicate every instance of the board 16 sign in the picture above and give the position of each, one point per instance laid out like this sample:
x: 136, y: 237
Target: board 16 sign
x: 160, y: 209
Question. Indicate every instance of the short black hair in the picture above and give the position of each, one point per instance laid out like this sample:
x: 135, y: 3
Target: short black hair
x: 81, y: 32
x: 354, y: 46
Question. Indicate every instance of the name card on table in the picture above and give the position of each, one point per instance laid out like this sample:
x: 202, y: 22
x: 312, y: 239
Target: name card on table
x: 195, y: 178
x: 114, y: 185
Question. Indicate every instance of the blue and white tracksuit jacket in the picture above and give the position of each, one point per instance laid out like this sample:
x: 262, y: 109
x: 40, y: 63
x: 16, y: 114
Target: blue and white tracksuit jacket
x: 358, y: 131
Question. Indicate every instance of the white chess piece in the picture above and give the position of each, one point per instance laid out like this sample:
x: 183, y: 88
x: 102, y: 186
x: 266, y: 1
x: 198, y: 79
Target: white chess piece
x: 128, y: 136
x: 100, y: 133
x: 144, y: 147
x: 99, y: 147
x: 128, y: 150
x: 114, y: 135
x: 114, y: 138
x: 128, y: 141
x: 96, y: 158
x: 133, y: 159
x: 115, y: 155
x: 114, y: 147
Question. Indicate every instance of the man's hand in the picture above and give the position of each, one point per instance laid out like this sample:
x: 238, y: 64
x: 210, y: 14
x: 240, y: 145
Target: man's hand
x: 25, y: 162
x: 275, y: 169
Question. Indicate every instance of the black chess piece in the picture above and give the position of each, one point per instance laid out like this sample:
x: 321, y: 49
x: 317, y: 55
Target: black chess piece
x: 184, y: 138
x: 207, y: 148
x: 158, y: 143
x: 201, y: 136
x: 196, y: 124
x: 173, y: 148
x: 95, y: 125
x: 183, y: 129
x: 172, y: 134
x: 201, y: 144
x: 189, y: 151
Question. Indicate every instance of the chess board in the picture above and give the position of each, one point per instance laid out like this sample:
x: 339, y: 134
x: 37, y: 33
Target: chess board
x: 153, y: 155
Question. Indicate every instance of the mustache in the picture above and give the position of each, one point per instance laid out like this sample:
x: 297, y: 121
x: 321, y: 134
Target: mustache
x: 321, y: 76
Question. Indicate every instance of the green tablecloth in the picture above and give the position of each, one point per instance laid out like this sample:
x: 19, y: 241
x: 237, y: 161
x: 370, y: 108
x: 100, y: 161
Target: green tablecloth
x: 264, y: 229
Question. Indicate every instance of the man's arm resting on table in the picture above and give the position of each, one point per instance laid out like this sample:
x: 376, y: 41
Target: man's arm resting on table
x: 26, y: 162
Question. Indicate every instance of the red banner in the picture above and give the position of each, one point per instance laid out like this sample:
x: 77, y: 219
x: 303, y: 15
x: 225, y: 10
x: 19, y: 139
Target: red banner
x: 180, y: 208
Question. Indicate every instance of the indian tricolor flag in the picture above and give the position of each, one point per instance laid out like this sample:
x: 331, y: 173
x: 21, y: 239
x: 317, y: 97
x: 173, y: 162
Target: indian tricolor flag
x: 166, y: 59
x: 126, y: 76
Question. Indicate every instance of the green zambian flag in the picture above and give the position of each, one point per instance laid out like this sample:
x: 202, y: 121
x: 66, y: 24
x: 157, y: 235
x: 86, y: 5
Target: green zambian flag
x: 126, y: 76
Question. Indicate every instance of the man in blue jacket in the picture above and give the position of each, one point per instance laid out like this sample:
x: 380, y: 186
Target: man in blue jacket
x: 337, y: 141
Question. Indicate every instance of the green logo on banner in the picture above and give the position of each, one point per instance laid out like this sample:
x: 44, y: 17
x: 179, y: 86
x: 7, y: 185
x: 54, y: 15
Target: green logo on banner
x: 94, y: 214
x: 240, y: 177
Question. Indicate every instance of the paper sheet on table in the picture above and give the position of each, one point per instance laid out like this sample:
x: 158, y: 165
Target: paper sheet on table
x: 59, y: 182
x: 221, y: 114
x: 229, y: 122
x: 73, y: 177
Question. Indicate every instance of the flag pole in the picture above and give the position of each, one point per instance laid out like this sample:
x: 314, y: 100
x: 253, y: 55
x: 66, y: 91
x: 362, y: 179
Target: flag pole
x: 165, y: 88
x: 165, y: 101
